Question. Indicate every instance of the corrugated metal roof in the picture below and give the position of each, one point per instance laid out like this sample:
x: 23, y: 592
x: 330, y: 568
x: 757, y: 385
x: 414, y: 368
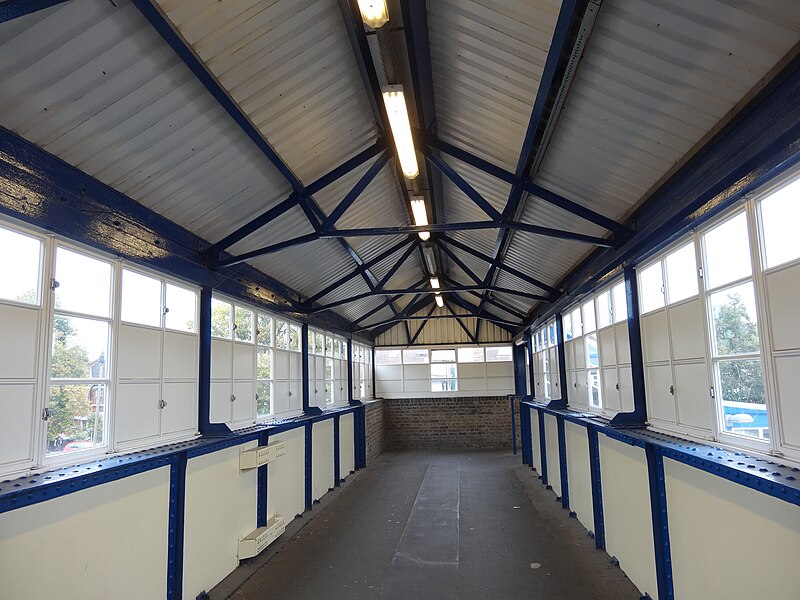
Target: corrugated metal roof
x: 442, y: 331
x: 290, y: 66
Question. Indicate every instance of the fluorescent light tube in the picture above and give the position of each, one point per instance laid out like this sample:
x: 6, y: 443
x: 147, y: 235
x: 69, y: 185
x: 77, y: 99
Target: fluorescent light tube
x: 435, y: 283
x: 439, y: 300
x: 373, y: 12
x: 395, y: 103
x: 420, y: 217
x: 427, y: 252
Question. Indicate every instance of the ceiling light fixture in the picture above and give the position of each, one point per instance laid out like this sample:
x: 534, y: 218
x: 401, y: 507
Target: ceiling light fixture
x: 395, y: 103
x: 430, y: 261
x: 373, y: 12
x: 439, y: 300
x: 435, y: 283
x: 420, y: 217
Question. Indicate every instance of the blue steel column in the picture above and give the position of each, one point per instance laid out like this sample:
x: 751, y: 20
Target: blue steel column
x: 309, y: 464
x: 658, y: 509
x: 531, y: 365
x: 562, y: 462
x: 542, y: 447
x: 597, y: 489
x: 337, y: 466
x: 204, y: 425
x: 177, y: 507
x: 525, y: 432
x: 562, y: 367
x: 263, y: 475
x: 639, y: 414
x: 520, y: 389
x: 350, y: 373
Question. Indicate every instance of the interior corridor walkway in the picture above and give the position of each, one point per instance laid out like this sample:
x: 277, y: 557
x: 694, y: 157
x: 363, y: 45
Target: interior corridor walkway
x: 438, y: 526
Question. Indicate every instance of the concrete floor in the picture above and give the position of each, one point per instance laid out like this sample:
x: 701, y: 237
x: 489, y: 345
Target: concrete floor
x: 437, y: 526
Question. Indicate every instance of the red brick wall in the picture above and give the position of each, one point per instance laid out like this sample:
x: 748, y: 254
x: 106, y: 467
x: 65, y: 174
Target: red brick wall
x: 375, y: 429
x: 448, y: 423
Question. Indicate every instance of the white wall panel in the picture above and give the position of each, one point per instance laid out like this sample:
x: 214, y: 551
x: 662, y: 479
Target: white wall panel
x: 579, y: 473
x: 347, y: 457
x: 553, y: 458
x: 243, y: 363
x: 623, y: 343
x: 728, y: 541
x: 180, y: 356
x: 244, y: 407
x: 655, y: 337
x: 660, y: 403
x: 180, y: 413
x: 109, y: 541
x: 136, y: 412
x: 499, y: 369
x: 535, y: 442
x: 286, y: 476
x: 783, y: 291
x: 221, y: 359
x: 18, y: 360
x: 221, y: 508
x: 626, y: 510
x: 607, y: 346
x: 139, y: 353
x: 16, y: 426
x: 691, y: 390
x: 220, y: 411
x: 321, y: 458
x: 687, y: 330
x: 787, y: 372
x: 625, y: 378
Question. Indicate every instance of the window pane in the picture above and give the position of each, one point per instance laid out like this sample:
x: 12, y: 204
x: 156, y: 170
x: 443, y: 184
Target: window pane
x: 444, y: 385
x: 181, y: 308
x: 566, y: 321
x: 620, y: 303
x: 742, y: 396
x: 294, y: 337
x: 20, y: 267
x: 735, y: 325
x: 264, y: 398
x: 328, y: 346
x: 595, y: 395
x: 470, y: 355
x: 319, y: 344
x: 499, y: 354
x: 220, y: 319
x: 780, y: 214
x: 76, y: 417
x: 141, y: 299
x: 588, y: 317
x: 264, y: 363
x: 727, y: 249
x: 311, y: 341
x: 243, y: 324
x: 387, y: 357
x: 681, y: 274
x: 418, y: 356
x: 281, y: 334
x: 80, y: 348
x: 84, y: 284
x: 577, y: 325
x: 604, y: 310
x: 264, y: 330
x: 443, y: 356
x: 592, y: 359
x: 651, y: 288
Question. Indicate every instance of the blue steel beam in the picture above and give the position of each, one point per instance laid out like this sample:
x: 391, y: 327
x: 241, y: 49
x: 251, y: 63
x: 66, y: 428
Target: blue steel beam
x: 466, y: 330
x: 481, y: 314
x: 386, y: 303
x: 422, y: 326
x: 400, y: 261
x: 355, y: 193
x: 13, y: 9
x: 491, y: 301
x: 470, y: 273
x: 453, y: 315
x: 347, y: 166
x: 463, y: 185
x: 161, y: 24
x: 412, y: 307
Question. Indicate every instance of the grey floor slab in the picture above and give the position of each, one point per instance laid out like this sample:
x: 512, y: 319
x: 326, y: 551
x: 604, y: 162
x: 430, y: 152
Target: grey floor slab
x: 419, y: 526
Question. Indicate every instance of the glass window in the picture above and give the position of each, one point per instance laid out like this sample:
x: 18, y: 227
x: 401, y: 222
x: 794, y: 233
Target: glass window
x: 651, y: 288
x: 444, y: 377
x: 780, y: 214
x: 76, y: 417
x: 264, y: 399
x: 592, y: 357
x: 181, y: 308
x: 264, y: 331
x: 141, y: 299
x: 387, y: 357
x: 499, y: 354
x: 735, y: 325
x: 604, y: 316
x: 441, y: 356
x: 243, y: 324
x: 281, y: 334
x: 221, y: 319
x: 470, y: 355
x: 328, y: 345
x: 588, y: 317
x: 566, y: 321
x: 415, y: 356
x: 294, y: 337
x: 595, y: 393
x: 577, y: 325
x: 79, y: 349
x: 310, y: 341
x: 319, y: 344
x: 681, y: 274
x: 264, y: 363
x: 620, y: 302
x: 20, y: 267
x: 727, y: 252
x: 84, y: 284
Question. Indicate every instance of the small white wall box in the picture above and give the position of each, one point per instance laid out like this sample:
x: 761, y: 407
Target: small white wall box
x: 262, y: 537
x: 257, y: 457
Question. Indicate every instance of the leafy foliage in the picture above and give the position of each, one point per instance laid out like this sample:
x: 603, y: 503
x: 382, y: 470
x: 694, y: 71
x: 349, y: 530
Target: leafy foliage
x: 742, y: 380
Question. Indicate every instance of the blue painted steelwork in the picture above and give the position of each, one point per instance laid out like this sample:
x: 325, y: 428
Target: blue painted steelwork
x: 525, y: 431
x: 422, y: 326
x: 264, y: 250
x: 204, y: 425
x: 13, y: 9
x: 562, y: 359
x: 175, y: 534
x: 350, y: 370
x: 639, y: 415
x: 658, y: 510
x: 399, y: 263
x: 347, y: 166
x: 337, y: 466
x: 263, y: 482
x: 161, y: 24
x: 469, y: 191
x: 481, y: 315
x: 453, y: 315
x: 520, y: 381
x: 562, y: 461
x: 304, y: 366
x: 309, y: 429
x: 542, y: 448
x: 759, y: 143
x: 355, y: 193
x: 530, y: 187
x: 420, y: 301
x: 597, y: 488
x: 531, y: 365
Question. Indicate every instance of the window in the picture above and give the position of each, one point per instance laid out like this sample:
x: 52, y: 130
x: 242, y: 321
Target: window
x: 444, y: 376
x: 499, y: 354
x: 387, y: 357
x: 780, y: 214
x: 141, y: 299
x: 221, y: 322
x: 418, y: 356
x: 20, y: 267
x: 470, y: 355
x: 264, y: 368
x: 681, y: 269
x: 651, y: 288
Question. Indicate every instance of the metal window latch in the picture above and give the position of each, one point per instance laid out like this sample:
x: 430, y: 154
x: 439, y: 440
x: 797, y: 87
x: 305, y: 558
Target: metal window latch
x: 45, y: 414
x: 711, y: 392
x: 233, y: 398
x: 617, y: 386
x: 290, y: 393
x: 700, y: 272
x: 166, y: 310
x: 53, y: 285
x: 672, y: 390
x: 163, y: 403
